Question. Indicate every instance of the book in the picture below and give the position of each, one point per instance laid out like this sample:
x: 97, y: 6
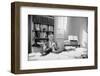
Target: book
x: 50, y: 28
x: 43, y: 35
x: 37, y: 34
x: 37, y: 27
x: 32, y: 26
x: 44, y: 27
x: 33, y: 38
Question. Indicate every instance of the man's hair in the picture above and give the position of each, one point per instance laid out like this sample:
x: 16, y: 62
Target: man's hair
x: 51, y: 33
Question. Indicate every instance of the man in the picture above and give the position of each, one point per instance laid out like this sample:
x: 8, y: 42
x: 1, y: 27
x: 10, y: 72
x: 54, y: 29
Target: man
x: 50, y: 45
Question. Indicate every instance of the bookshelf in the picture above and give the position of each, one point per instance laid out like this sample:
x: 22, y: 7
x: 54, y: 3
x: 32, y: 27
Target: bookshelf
x: 41, y: 27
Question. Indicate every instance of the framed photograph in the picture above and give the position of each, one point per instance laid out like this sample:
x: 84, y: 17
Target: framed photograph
x: 52, y: 37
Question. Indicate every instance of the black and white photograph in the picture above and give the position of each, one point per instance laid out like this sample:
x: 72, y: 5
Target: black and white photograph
x: 53, y: 37
x: 57, y: 37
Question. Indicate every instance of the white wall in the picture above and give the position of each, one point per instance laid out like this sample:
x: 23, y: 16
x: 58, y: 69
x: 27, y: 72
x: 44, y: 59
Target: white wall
x: 76, y: 26
x: 70, y: 26
x: 5, y: 42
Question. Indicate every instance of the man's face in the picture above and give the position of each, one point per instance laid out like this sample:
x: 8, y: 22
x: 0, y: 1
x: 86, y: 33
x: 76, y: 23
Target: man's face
x: 51, y: 37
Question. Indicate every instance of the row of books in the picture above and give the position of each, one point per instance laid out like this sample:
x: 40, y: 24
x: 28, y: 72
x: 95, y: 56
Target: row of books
x: 40, y: 27
x: 39, y: 35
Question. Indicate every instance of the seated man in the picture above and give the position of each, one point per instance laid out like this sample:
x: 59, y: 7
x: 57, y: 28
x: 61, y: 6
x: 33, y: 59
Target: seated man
x: 50, y: 45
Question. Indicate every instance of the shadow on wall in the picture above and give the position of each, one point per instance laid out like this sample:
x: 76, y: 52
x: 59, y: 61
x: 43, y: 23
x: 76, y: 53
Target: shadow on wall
x: 84, y: 39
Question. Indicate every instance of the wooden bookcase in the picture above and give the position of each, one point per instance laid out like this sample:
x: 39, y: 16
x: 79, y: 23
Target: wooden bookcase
x: 42, y: 26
